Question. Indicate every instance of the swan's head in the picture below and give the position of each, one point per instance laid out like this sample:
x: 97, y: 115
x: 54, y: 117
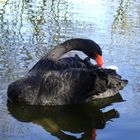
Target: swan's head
x: 94, y: 51
x: 97, y: 55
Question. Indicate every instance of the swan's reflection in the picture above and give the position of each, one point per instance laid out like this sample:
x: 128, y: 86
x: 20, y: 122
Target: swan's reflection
x: 84, y: 119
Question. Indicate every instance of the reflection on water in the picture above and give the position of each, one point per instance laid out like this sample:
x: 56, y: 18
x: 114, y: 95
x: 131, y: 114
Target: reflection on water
x: 29, y: 28
x: 123, y: 25
x: 63, y: 121
x: 121, y: 17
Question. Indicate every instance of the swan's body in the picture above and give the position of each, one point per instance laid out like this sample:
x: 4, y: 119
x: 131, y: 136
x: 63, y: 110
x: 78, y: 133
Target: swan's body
x: 54, y: 81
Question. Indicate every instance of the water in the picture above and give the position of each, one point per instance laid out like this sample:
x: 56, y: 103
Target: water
x: 29, y: 28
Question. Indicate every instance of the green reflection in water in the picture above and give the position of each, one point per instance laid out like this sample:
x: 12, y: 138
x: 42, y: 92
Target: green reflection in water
x: 125, y: 23
x: 28, y: 28
x: 121, y: 22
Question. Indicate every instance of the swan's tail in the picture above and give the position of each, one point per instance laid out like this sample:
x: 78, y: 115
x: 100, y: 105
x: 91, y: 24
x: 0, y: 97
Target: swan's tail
x: 115, y: 84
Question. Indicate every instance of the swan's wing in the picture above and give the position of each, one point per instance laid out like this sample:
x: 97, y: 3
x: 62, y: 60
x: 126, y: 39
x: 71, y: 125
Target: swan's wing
x: 44, y: 64
x: 73, y: 62
x: 71, y: 86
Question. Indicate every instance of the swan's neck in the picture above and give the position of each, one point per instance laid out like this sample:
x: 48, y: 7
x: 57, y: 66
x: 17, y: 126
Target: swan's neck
x: 84, y: 45
x: 58, y: 51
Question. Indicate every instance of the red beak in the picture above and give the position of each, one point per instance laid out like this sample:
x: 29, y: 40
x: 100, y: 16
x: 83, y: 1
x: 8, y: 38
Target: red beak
x: 99, y: 60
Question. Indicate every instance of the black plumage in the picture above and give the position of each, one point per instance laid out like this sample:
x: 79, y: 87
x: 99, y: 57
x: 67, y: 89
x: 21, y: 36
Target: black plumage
x: 55, y: 81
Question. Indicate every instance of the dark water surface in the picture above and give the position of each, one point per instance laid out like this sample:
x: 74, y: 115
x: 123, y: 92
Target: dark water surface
x: 29, y: 28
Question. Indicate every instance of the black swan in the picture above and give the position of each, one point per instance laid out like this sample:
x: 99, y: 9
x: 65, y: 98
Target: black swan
x: 59, y: 81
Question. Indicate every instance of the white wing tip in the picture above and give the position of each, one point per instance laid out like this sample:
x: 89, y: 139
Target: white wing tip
x: 112, y: 67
